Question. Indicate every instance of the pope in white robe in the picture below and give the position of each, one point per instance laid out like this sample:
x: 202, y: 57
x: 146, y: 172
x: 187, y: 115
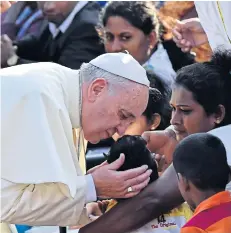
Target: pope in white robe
x: 41, y: 178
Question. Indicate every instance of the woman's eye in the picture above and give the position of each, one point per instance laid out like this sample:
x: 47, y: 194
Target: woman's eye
x: 186, y: 111
x: 108, y: 37
x: 125, y: 38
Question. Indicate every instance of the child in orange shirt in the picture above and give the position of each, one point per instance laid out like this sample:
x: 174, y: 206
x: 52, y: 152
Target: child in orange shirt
x: 201, y: 165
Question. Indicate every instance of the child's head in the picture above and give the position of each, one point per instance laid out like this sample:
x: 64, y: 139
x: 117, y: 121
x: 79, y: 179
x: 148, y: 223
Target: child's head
x: 136, y: 154
x: 201, y: 165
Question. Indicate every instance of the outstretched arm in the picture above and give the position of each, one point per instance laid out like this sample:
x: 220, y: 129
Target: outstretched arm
x: 159, y: 197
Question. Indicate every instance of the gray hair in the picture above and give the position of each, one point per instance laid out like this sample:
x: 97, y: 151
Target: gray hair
x: 90, y: 72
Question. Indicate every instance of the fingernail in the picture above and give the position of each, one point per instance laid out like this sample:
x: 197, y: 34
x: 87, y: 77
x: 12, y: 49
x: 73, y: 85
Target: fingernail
x: 145, y: 167
x: 150, y: 170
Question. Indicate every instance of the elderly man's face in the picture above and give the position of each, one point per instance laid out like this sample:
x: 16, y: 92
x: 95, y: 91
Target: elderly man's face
x: 105, y: 113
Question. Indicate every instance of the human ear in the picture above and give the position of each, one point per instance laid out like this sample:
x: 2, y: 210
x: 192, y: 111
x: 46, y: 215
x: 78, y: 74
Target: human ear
x: 97, y: 88
x: 152, y: 40
x: 220, y: 115
x: 156, y: 121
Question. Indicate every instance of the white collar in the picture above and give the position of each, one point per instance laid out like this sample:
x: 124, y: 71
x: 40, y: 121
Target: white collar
x: 160, y: 64
x: 67, y: 22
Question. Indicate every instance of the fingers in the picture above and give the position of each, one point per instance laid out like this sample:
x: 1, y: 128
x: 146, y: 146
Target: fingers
x: 131, y: 194
x: 118, y: 163
x: 139, y: 179
x: 176, y: 34
x: 183, y: 44
x: 146, y: 136
x: 93, y: 217
x: 133, y: 173
x: 186, y: 49
x: 141, y: 186
x: 158, y: 157
x: 96, y: 167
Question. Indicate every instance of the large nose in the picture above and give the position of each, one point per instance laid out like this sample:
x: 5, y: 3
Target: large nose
x: 116, y: 46
x: 176, y: 118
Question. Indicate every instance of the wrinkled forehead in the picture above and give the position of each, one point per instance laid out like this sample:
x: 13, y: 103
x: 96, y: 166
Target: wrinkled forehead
x: 134, y: 100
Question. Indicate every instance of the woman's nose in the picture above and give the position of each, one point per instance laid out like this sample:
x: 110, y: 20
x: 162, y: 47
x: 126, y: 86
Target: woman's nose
x: 176, y: 118
x: 116, y: 46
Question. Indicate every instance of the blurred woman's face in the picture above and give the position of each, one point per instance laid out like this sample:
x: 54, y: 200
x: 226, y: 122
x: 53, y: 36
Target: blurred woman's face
x: 188, y: 116
x: 120, y: 35
x: 140, y: 126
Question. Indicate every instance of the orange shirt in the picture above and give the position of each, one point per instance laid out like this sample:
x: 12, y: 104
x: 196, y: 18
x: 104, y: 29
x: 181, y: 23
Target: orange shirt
x: 211, y: 216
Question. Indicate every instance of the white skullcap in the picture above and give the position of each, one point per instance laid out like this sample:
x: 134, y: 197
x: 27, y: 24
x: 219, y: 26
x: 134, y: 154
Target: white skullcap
x: 123, y: 65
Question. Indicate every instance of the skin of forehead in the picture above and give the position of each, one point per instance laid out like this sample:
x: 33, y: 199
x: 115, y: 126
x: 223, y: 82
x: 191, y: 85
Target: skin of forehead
x: 177, y: 93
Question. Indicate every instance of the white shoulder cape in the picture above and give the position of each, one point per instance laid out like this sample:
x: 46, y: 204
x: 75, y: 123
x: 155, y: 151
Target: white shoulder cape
x: 39, y: 104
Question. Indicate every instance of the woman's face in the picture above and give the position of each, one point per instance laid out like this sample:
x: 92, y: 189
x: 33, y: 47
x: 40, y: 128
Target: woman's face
x: 120, y: 35
x: 188, y: 116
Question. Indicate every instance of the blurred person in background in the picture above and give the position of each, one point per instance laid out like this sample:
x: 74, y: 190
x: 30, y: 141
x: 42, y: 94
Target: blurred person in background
x: 134, y: 26
x: 21, y: 19
x: 5, y: 5
x: 68, y: 36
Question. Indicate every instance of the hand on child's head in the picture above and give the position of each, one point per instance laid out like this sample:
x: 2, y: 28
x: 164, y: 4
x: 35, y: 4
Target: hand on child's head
x: 136, y: 154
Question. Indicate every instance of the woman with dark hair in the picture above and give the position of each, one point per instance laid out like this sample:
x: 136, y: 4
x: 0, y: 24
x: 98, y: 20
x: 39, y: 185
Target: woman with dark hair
x: 201, y: 102
x: 134, y: 26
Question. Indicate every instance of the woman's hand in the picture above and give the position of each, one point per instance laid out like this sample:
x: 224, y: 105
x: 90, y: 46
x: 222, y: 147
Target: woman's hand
x: 162, y: 143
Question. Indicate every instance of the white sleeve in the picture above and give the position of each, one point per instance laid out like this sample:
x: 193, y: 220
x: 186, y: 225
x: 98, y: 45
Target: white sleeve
x: 45, y: 183
x: 91, y: 192
x: 224, y: 134
x: 40, y: 204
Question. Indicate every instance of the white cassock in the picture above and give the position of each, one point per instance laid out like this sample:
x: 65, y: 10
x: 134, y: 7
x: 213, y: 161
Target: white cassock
x: 41, y: 179
x: 224, y: 134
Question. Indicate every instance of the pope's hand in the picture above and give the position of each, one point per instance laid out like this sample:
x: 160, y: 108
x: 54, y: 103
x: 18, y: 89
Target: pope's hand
x: 111, y: 183
x: 189, y: 33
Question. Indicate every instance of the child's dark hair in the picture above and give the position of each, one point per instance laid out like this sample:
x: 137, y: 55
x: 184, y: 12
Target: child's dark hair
x: 159, y: 96
x: 136, y: 154
x: 201, y: 159
x: 140, y: 14
x: 210, y: 83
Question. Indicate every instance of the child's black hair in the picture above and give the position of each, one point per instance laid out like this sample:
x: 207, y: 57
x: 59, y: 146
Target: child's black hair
x: 210, y: 83
x: 159, y: 96
x: 136, y: 154
x: 201, y: 159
